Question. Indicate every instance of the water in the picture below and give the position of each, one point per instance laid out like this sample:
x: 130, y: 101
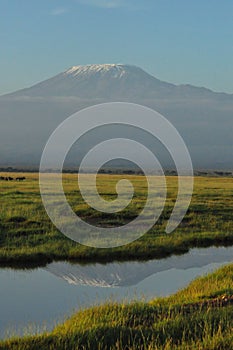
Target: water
x: 34, y: 300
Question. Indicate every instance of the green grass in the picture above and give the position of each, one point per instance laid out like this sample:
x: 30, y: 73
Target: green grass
x: 27, y: 235
x: 197, y: 317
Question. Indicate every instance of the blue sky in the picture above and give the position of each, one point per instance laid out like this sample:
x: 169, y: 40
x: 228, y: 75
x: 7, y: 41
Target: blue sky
x: 180, y: 41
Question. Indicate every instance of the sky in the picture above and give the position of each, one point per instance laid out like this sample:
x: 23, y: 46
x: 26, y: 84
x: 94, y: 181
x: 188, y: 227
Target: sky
x: 178, y: 41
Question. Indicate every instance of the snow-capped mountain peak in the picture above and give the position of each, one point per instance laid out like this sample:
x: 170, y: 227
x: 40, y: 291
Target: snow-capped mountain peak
x: 201, y: 116
x: 113, y: 70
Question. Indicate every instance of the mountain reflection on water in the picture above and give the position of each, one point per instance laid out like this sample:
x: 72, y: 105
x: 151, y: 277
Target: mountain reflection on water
x: 42, y: 297
x: 123, y: 274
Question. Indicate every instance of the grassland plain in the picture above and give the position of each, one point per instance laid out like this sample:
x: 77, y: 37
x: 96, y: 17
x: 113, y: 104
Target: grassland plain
x: 197, y: 317
x: 27, y: 235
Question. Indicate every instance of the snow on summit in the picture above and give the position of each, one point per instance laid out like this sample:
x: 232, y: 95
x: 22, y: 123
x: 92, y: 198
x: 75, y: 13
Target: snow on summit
x: 114, y: 70
x: 44, y: 105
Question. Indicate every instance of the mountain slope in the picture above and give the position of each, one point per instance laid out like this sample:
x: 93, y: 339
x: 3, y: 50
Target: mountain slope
x: 99, y: 81
x: 28, y: 117
x: 109, y: 81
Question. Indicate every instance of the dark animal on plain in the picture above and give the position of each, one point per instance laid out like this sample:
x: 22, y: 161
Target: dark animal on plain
x: 22, y: 178
x: 6, y: 178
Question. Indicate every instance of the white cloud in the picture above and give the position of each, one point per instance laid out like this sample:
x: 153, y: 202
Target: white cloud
x: 104, y: 3
x: 58, y: 11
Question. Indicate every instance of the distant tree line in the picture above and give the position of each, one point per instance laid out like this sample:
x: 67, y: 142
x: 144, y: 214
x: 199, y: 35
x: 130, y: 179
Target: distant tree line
x: 126, y: 171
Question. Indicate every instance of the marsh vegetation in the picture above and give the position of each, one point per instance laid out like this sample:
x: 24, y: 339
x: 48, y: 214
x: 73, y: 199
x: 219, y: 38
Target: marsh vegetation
x: 28, y: 236
x: 197, y: 317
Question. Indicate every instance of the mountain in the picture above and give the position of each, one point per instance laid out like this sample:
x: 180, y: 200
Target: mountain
x: 204, y: 118
x: 99, y: 81
x: 110, y: 81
